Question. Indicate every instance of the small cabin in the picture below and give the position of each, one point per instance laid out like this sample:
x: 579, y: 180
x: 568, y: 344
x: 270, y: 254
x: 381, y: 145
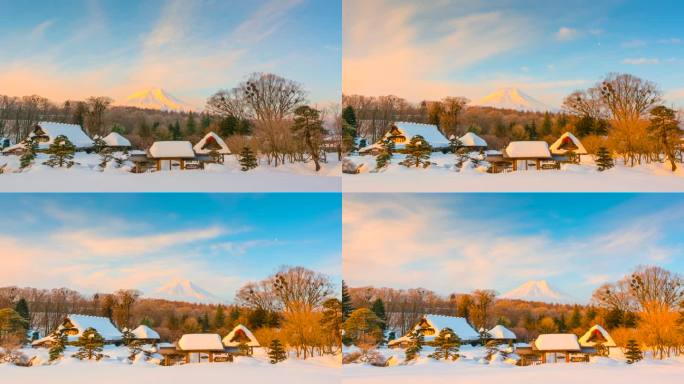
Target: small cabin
x: 212, y: 144
x: 45, y: 133
x: 400, y: 133
x: 145, y: 334
x: 74, y: 326
x: 472, y: 142
x: 116, y: 141
x: 598, y: 338
x: 524, y: 154
x: 240, y: 335
x: 195, y: 347
x: 554, y: 348
x: 568, y: 148
x: 431, y: 325
x: 170, y: 155
x: 501, y: 334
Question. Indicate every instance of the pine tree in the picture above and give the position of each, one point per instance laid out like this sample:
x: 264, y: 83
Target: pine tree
x: 175, y: 131
x: 190, y: 125
x: 603, y: 159
x: 127, y: 337
x: 276, y: 352
x: 57, y: 348
x: 134, y: 348
x: 89, y: 345
x: 665, y: 128
x: 447, y: 344
x: 244, y: 349
x: 99, y: 144
x: 30, y: 149
x: 219, y: 317
x: 106, y: 155
x: 347, y: 308
x: 454, y: 143
x: 23, y: 310
x: 633, y: 353
x: 416, y: 341
x: 349, y: 127
x: 417, y: 153
x: 385, y: 156
x: 61, y: 153
x: 378, y: 308
x: 247, y: 159
x: 308, y: 129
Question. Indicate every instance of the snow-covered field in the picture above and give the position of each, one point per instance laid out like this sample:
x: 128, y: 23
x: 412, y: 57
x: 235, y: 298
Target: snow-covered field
x: 441, y: 177
x: 472, y: 370
x: 87, y: 177
x: 117, y: 369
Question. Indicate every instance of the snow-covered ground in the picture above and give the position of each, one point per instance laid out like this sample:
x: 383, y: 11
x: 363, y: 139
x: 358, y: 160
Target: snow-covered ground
x: 441, y: 177
x: 472, y: 370
x: 116, y: 369
x: 87, y: 177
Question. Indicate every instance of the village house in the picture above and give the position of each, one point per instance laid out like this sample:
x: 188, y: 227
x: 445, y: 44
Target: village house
x: 569, y: 147
x: 145, y: 334
x: 45, y: 134
x: 553, y: 348
x: 240, y: 335
x: 74, y: 326
x: 170, y: 155
x: 472, y: 142
x: 501, y: 334
x: 210, y: 144
x: 598, y: 338
x: 400, y: 133
x: 431, y: 325
x: 116, y: 141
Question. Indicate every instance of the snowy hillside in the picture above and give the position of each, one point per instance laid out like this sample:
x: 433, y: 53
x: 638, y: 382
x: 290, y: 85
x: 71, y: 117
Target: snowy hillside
x: 156, y: 98
x: 185, y: 290
x: 537, y: 290
x: 512, y: 98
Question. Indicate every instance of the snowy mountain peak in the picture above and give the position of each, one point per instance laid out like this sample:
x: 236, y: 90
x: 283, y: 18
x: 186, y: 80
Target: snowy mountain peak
x: 185, y: 290
x: 156, y: 98
x: 512, y: 98
x: 537, y: 290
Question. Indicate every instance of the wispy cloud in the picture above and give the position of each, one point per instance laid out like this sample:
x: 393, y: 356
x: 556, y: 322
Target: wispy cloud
x: 641, y: 61
x: 39, y: 30
x: 670, y: 41
x: 567, y: 34
x: 633, y: 43
x: 267, y: 19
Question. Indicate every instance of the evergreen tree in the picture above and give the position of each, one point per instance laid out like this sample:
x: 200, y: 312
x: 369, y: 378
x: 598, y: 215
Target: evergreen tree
x: 417, y: 153
x: 575, y: 318
x: 30, y: 150
x: 244, y: 349
x: 175, y: 131
x: 447, y: 344
x: 190, y: 125
x: 454, y: 143
x: 61, y: 153
x: 134, y: 348
x: 349, y: 129
x: 247, y: 159
x: 127, y: 336
x: 204, y: 322
x: 603, y: 159
x: 57, y: 348
x: 332, y: 318
x: 219, y: 317
x: 633, y: 352
x: 378, y: 308
x: 89, y: 345
x: 308, y: 128
x: 665, y: 129
x: 416, y: 341
x: 349, y: 116
x: 546, y: 124
x: 99, y: 144
x: 385, y: 156
x: 21, y: 307
x: 106, y: 155
x: 276, y: 352
x: 347, y: 308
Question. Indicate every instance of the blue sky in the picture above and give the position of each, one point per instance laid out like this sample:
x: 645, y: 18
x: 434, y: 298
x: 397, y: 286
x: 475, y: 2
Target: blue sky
x: 461, y: 242
x: 78, y: 48
x: 102, y: 242
x: 545, y: 48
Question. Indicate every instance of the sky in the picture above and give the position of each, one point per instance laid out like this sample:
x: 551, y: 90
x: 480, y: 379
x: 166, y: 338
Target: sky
x: 456, y: 243
x: 547, y: 49
x: 73, y: 49
x: 104, y: 242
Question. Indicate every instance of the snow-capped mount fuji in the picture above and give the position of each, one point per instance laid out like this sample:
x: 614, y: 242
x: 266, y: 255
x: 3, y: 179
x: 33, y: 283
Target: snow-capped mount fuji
x: 156, y: 98
x: 185, y: 290
x: 513, y: 98
x: 537, y: 290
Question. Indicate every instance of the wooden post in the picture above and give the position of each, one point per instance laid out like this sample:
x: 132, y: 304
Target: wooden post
x: 543, y: 356
x: 158, y: 164
x: 567, y: 357
x: 182, y: 164
x: 187, y: 357
x: 538, y: 163
x: 515, y: 165
x: 211, y: 357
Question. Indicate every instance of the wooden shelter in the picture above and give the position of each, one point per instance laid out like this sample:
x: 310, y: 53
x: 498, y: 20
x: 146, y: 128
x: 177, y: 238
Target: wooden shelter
x: 117, y: 141
x: 568, y: 147
x: 520, y: 153
x: 560, y: 346
x: 472, y: 142
x: 501, y: 334
x: 597, y: 337
x: 146, y: 334
x: 240, y: 335
x: 200, y: 344
x: 212, y: 144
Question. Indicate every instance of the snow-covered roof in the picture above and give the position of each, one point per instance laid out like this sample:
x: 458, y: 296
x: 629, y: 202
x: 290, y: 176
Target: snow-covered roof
x: 527, y: 149
x: 587, y: 339
x: 229, y: 342
x: 199, y: 147
x: 472, y: 140
x: 200, y: 342
x: 429, y: 132
x: 500, y: 332
x: 557, y: 342
x: 172, y: 149
x: 102, y: 325
x: 114, y: 139
x: 73, y: 132
x: 145, y: 332
x: 457, y: 324
x: 556, y: 149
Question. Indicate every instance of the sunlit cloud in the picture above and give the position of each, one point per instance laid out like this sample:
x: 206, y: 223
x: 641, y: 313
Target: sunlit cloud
x: 566, y: 34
